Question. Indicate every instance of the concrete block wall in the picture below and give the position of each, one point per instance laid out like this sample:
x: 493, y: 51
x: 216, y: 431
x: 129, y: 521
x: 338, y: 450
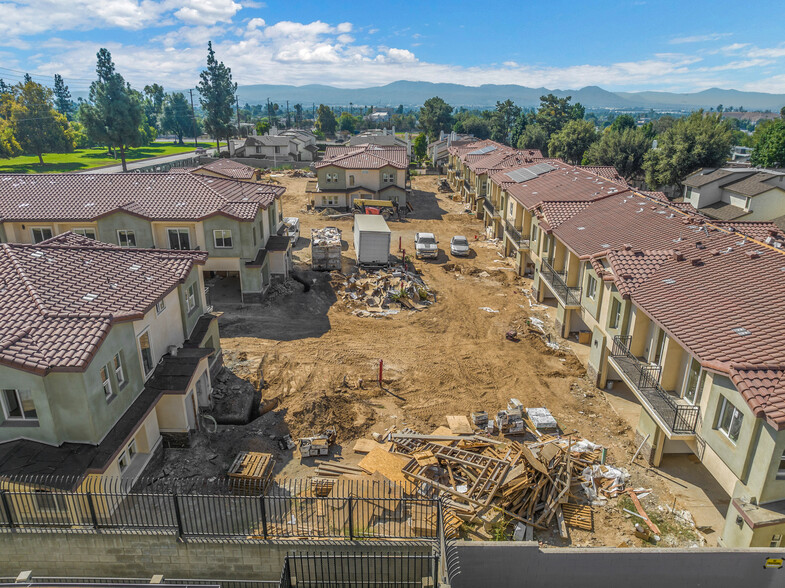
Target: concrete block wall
x: 141, y: 556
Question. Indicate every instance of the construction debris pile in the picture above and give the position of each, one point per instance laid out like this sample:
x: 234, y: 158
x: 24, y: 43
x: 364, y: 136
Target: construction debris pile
x: 383, y: 292
x: 326, y: 248
x: 492, y: 484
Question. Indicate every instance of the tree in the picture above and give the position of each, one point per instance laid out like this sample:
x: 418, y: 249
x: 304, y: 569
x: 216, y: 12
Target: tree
x: 782, y: 110
x: 9, y: 146
x: 518, y: 127
x: 420, y: 146
x: 298, y: 115
x: 63, y: 102
x: 623, y: 122
x: 38, y: 127
x: 216, y: 95
x: 663, y: 123
x: 177, y: 117
x: 4, y: 88
x: 325, y: 120
x: 435, y: 117
x: 534, y: 137
x: 262, y: 127
x: 696, y: 141
x: 346, y: 122
x: 469, y: 123
x: 625, y: 150
x: 555, y: 112
x: 113, y: 114
x: 572, y: 141
x: 153, y: 103
x: 502, y: 121
x: 770, y: 147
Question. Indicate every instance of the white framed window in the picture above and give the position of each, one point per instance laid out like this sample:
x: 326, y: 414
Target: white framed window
x: 591, y: 288
x: 190, y: 298
x: 223, y: 238
x: 729, y: 419
x: 331, y: 177
x: 179, y: 238
x: 106, y: 382
x: 781, y: 468
x: 160, y: 306
x: 535, y: 230
x: 123, y: 461
x: 776, y: 541
x: 48, y: 500
x: 388, y: 177
x: 693, y: 382
x: 132, y: 449
x: 85, y: 232
x: 146, y: 353
x: 329, y: 200
x: 18, y: 405
x: 351, y: 180
x: 119, y: 371
x: 40, y: 234
x: 615, y: 316
x: 126, y: 238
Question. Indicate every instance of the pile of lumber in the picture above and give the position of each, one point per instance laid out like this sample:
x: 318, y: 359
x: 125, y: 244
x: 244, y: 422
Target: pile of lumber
x: 251, y: 473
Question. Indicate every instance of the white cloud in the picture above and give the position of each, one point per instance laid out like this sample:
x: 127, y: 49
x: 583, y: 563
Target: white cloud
x: 255, y: 23
x: 699, y: 38
x: 772, y: 52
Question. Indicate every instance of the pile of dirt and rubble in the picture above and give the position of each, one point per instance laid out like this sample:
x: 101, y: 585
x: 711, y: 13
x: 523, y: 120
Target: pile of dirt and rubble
x: 322, y: 409
x: 383, y: 292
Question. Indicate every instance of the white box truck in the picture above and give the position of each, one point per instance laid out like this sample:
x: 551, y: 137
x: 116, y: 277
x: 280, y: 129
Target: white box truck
x: 371, y: 239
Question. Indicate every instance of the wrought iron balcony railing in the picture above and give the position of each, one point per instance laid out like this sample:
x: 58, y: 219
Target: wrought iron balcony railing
x: 569, y: 295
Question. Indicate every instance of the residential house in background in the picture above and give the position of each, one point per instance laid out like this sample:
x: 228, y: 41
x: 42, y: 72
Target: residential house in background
x: 743, y: 194
x: 224, y: 168
x: 306, y: 144
x: 382, y: 138
x: 272, y: 147
x: 236, y: 222
x: 106, y: 351
x: 438, y: 151
x: 365, y: 171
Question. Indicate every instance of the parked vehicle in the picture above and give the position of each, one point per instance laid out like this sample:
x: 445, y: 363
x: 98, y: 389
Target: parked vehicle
x: 459, y: 246
x: 292, y: 228
x: 425, y: 245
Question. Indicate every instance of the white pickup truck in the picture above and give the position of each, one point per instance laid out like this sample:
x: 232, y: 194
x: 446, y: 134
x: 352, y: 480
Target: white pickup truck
x: 425, y: 245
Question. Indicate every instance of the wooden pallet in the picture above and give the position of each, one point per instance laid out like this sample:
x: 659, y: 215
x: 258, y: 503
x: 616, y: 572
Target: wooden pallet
x: 251, y: 472
x: 580, y: 516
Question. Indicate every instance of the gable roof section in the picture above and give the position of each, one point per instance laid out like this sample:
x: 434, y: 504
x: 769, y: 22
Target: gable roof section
x: 756, y: 184
x: 61, y: 297
x: 228, y: 168
x: 763, y: 388
x: 707, y: 176
x: 83, y: 197
x: 365, y: 157
x: 605, y: 171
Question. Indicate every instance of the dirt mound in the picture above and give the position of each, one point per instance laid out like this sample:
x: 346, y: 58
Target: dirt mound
x: 311, y: 414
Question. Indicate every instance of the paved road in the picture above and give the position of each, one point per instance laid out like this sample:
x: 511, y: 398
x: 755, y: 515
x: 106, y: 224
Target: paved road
x: 132, y: 165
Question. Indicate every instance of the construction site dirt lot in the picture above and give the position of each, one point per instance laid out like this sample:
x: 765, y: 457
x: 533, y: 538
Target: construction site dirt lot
x: 321, y: 363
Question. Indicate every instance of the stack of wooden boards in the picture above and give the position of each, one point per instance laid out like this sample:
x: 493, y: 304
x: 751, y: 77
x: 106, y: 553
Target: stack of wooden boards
x: 251, y: 473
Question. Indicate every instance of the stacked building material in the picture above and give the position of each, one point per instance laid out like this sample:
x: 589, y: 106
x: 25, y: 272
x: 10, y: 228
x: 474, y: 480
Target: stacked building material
x: 326, y: 249
x: 251, y: 473
x: 384, y: 291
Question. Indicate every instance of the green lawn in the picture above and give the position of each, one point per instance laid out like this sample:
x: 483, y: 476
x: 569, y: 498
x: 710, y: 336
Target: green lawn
x: 87, y: 158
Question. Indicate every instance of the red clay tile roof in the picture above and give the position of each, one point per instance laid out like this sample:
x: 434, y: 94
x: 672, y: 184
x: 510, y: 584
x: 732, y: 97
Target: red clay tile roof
x: 605, y: 171
x: 84, y: 196
x: 61, y: 297
x: 768, y: 232
x: 555, y: 213
x: 763, y: 387
x: 631, y: 268
x: 565, y: 183
x: 365, y: 157
x: 228, y: 168
x: 504, y: 159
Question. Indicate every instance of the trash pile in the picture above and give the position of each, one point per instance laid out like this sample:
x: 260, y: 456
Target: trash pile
x: 492, y: 482
x: 383, y: 292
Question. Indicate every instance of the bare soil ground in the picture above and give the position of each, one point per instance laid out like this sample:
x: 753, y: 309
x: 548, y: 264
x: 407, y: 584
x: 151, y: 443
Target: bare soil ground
x: 451, y: 358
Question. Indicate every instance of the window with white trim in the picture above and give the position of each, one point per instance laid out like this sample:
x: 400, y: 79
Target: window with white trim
x: 48, y: 500
x: 160, y: 306
x: 776, y: 541
x: 85, y: 232
x: 146, y: 353
x: 132, y: 449
x: 351, y: 180
x: 119, y: 371
x: 41, y: 234
x: 222, y: 238
x: 388, y: 177
x: 126, y: 238
x: 106, y: 382
x: 329, y: 200
x: 190, y: 298
x: 729, y: 419
x: 179, y: 238
x: 331, y: 177
x: 123, y: 461
x: 693, y: 382
x: 781, y: 468
x: 591, y: 287
x: 615, y: 316
x: 18, y: 405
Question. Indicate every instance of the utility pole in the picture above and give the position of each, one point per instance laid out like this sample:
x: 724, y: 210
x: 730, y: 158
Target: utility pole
x: 288, y: 121
x: 237, y: 106
x: 193, y: 118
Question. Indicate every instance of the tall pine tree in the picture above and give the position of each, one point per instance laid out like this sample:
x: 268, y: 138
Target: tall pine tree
x: 113, y: 114
x: 216, y: 95
x: 63, y: 102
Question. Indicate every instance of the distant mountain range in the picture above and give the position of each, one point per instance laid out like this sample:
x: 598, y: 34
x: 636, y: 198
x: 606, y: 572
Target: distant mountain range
x: 415, y: 93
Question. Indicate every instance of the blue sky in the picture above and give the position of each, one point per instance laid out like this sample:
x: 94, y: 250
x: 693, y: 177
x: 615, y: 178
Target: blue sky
x: 635, y: 45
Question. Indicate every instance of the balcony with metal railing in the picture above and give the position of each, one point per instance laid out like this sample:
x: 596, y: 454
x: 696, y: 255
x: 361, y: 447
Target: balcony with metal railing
x: 515, y: 236
x: 468, y: 187
x: 569, y: 296
x: 490, y: 209
x: 678, y: 417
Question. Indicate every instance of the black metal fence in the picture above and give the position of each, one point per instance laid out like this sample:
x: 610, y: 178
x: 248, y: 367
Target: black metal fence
x: 569, y: 295
x: 390, y: 570
x: 297, y: 508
